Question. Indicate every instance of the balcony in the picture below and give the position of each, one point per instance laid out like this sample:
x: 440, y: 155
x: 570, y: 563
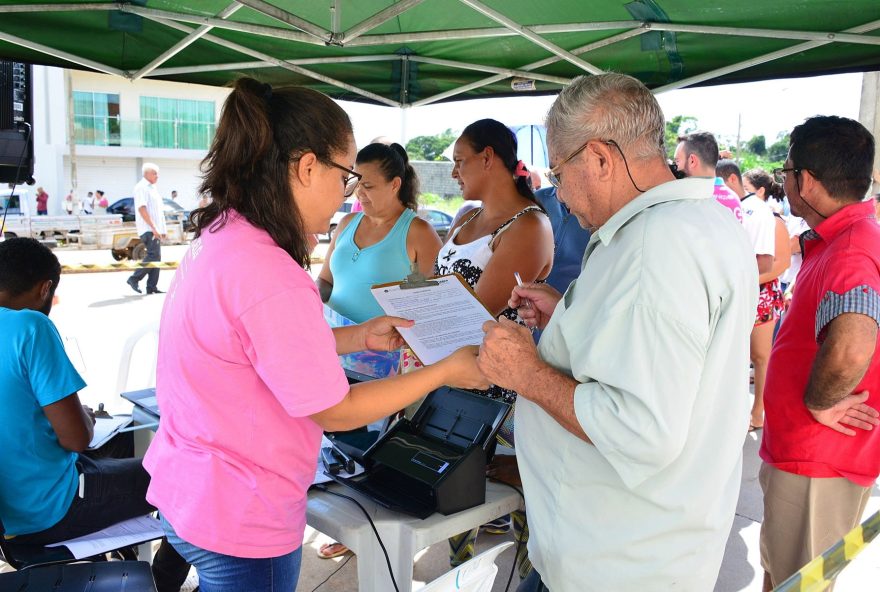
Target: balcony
x: 135, y: 133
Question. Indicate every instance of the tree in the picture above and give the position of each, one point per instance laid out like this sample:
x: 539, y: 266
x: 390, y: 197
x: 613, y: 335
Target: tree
x: 757, y: 145
x: 779, y: 149
x: 678, y: 126
x: 429, y: 147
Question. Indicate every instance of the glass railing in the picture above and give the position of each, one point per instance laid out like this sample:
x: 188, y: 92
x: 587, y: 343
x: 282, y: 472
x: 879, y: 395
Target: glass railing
x: 134, y: 133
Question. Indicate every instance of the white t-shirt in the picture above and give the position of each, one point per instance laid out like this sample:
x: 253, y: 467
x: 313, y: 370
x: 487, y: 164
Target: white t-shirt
x: 146, y: 194
x: 796, y: 227
x: 657, y: 346
x: 759, y: 224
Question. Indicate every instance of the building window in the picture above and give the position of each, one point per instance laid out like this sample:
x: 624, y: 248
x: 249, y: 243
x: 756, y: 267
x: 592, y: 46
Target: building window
x: 177, y: 123
x: 96, y: 118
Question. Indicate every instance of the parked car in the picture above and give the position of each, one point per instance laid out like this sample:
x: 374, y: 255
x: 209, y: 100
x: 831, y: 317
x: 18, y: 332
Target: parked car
x: 173, y: 211
x: 441, y: 221
x: 344, y: 209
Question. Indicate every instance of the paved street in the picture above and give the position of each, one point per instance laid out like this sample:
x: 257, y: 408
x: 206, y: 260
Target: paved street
x: 98, y: 311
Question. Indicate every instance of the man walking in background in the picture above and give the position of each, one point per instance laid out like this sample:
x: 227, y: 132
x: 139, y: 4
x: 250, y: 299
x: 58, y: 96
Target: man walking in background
x: 150, y: 222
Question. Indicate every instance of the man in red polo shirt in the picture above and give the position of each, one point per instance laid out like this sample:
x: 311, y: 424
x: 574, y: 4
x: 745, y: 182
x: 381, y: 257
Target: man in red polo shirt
x: 820, y: 449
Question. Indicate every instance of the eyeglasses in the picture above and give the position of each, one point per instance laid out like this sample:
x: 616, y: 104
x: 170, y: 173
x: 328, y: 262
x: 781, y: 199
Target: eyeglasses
x: 351, y: 181
x: 554, y: 176
x: 779, y: 174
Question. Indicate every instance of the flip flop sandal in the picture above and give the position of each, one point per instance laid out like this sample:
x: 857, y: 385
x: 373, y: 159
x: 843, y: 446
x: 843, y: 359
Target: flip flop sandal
x: 331, y: 550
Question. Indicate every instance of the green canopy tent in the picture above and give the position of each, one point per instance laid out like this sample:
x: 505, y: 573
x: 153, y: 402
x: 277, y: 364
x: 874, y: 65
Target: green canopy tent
x: 415, y: 52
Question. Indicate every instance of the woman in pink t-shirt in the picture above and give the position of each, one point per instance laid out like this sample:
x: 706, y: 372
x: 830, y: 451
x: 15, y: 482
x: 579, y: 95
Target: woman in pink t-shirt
x: 248, y: 371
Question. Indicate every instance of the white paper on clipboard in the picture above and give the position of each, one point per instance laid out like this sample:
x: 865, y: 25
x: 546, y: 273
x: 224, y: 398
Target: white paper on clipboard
x: 448, y: 316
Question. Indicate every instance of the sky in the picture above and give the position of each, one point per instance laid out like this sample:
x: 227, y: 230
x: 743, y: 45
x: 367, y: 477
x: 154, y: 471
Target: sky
x: 758, y: 108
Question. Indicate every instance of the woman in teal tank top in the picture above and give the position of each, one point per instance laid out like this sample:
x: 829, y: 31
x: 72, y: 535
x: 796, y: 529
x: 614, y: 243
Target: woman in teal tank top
x: 379, y: 244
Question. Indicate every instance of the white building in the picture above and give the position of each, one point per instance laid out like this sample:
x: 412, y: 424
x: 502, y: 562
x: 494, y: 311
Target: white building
x: 119, y: 125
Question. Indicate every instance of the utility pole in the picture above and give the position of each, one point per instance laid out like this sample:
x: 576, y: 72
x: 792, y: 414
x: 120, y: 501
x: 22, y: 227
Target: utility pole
x: 71, y: 132
x: 739, y: 120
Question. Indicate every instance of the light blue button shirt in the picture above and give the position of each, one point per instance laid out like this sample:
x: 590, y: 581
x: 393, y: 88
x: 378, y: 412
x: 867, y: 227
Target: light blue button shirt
x: 656, y: 331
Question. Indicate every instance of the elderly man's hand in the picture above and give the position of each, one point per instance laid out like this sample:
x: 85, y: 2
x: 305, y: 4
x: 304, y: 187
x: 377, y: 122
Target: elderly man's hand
x: 508, y: 357
x: 849, y: 411
x: 535, y: 303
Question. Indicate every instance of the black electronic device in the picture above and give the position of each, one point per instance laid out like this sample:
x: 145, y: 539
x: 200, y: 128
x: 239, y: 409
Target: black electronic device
x: 435, y: 462
x: 16, y: 121
x: 332, y: 464
x: 354, y: 443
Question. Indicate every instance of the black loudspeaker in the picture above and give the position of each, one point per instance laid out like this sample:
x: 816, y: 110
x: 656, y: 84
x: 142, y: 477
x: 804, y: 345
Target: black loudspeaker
x: 16, y: 123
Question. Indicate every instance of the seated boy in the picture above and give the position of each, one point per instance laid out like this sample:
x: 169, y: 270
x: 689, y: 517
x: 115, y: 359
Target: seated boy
x: 49, y: 491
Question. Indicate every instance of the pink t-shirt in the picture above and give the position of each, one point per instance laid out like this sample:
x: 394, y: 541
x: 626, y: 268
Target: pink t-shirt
x: 727, y: 198
x: 245, y: 357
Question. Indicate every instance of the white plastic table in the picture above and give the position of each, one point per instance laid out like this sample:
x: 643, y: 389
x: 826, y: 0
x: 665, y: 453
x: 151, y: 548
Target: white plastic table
x: 402, y: 535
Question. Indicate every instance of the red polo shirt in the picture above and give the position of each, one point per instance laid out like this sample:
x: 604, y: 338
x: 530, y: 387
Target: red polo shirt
x: 840, y: 274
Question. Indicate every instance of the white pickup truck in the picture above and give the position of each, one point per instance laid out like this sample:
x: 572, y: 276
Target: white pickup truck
x: 21, y: 220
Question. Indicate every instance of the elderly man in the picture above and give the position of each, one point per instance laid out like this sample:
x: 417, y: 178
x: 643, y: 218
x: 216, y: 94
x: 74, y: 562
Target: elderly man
x: 820, y: 449
x: 150, y: 221
x: 631, y: 411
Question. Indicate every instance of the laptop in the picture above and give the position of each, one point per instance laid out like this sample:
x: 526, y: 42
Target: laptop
x: 144, y: 398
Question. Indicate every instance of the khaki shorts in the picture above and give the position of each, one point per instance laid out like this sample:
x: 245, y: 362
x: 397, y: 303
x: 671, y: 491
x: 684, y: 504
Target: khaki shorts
x: 803, y: 516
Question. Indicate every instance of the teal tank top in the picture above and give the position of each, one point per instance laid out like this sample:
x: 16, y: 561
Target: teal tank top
x: 355, y: 270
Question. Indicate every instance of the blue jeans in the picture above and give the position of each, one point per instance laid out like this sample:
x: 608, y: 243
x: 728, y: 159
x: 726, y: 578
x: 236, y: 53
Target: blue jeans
x: 154, y: 253
x: 533, y: 583
x: 224, y: 573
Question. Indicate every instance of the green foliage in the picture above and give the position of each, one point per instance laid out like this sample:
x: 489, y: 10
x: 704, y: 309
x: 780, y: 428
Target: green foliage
x: 757, y: 145
x: 778, y: 150
x: 748, y: 161
x: 432, y: 200
x: 675, y: 127
x: 429, y: 147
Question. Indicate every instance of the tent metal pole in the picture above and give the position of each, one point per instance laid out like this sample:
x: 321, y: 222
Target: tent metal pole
x: 484, y: 68
x: 377, y: 19
x: 801, y: 47
x: 19, y: 8
x: 767, y: 33
x: 396, y: 38
x: 280, y: 63
x: 261, y: 64
x: 335, y: 18
x: 533, y: 66
x: 276, y: 32
x: 63, y: 55
x: 288, y: 18
x: 184, y: 43
x: 531, y: 36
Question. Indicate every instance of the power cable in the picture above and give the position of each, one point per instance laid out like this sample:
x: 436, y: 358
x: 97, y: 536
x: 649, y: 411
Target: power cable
x: 325, y: 489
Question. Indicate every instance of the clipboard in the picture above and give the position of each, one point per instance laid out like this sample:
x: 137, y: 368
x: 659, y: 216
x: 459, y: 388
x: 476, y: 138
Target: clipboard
x: 447, y: 311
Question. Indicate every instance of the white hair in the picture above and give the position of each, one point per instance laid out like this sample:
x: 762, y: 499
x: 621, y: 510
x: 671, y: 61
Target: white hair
x: 149, y: 166
x: 608, y: 106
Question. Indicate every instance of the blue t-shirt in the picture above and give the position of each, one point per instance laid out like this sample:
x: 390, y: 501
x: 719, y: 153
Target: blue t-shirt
x: 569, y: 238
x: 356, y: 270
x: 38, y: 477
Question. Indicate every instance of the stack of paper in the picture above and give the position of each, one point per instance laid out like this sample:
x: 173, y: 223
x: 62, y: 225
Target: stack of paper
x: 106, y: 428
x: 123, y: 534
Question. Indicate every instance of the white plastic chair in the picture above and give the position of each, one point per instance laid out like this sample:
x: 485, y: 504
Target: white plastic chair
x: 145, y: 343
x: 475, y: 575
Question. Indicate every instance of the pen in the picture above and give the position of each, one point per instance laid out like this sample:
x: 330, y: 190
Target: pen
x: 528, y: 303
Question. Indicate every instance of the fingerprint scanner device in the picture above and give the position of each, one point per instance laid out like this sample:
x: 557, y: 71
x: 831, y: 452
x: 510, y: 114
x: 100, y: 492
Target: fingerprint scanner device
x: 435, y: 462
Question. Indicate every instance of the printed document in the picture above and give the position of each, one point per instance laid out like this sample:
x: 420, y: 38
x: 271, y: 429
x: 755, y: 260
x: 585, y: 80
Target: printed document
x: 448, y: 316
x: 123, y: 534
x: 107, y: 427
